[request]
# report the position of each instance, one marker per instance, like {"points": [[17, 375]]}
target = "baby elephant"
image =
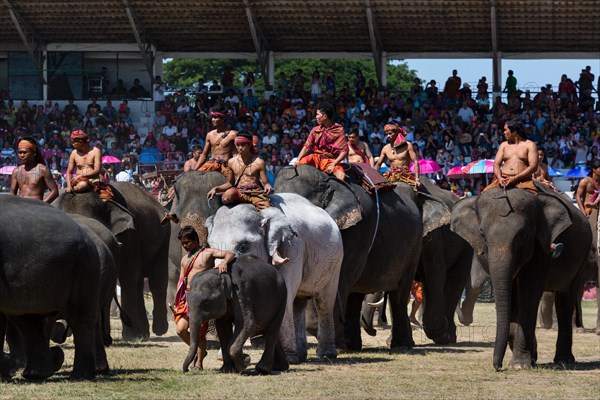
{"points": [[253, 298]]}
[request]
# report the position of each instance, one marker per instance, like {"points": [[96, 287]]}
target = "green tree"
{"points": [[185, 72]]}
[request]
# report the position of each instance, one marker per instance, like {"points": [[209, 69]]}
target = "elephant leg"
{"points": [[84, 336], [456, 279], [132, 302], [312, 322], [267, 361], [401, 330], [158, 276], [300, 328], [101, 359], [326, 339], [7, 365], [565, 305], [352, 329], [244, 327], [279, 359], [39, 357], [287, 332], [224, 328], [472, 290], [546, 310], [16, 345]]}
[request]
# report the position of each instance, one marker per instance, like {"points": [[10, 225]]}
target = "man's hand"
{"points": [[211, 193], [330, 168], [222, 267], [418, 182], [268, 188]]}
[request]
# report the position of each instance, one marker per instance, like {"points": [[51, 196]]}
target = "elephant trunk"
{"points": [[501, 274], [194, 334]]}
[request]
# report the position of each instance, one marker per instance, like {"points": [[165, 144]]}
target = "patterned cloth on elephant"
{"points": [[370, 179], [401, 175], [330, 144], [252, 194], [103, 189], [215, 164], [528, 185]]}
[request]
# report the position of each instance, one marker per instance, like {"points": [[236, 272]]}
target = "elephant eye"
{"points": [[242, 247]]}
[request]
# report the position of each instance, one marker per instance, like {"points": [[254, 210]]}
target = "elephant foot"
{"points": [[400, 346], [8, 367], [354, 344], [37, 374], [242, 363], [82, 375], [107, 340], [292, 358], [103, 369], [329, 352], [564, 360], [581, 329], [263, 368], [280, 365], [130, 336], [159, 328], [522, 363], [58, 357], [227, 368]]}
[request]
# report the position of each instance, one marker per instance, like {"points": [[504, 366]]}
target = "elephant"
{"points": [[310, 239], [61, 277], [382, 245], [252, 296], [134, 218], [511, 232]]}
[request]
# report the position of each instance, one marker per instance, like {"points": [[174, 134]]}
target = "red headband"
{"points": [[216, 114], [241, 139], [26, 144], [79, 134]]}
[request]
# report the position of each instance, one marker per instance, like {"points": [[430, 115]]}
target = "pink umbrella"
{"points": [[7, 169], [456, 173], [426, 166], [479, 167], [110, 160]]}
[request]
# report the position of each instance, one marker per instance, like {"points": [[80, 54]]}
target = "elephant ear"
{"points": [[554, 218], [465, 223], [120, 219], [209, 223], [434, 212], [343, 205], [276, 228]]}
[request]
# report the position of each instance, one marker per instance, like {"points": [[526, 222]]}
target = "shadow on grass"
{"points": [[578, 366], [124, 344], [458, 345]]}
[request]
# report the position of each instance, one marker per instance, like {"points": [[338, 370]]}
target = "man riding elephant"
{"points": [[400, 152]]}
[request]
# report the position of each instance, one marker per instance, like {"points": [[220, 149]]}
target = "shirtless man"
{"points": [[358, 152], [246, 178], [516, 159], [192, 163], [85, 161], [219, 143], [541, 174], [401, 153], [587, 192], [32, 177], [196, 260]]}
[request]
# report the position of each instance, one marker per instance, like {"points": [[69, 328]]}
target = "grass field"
{"points": [[152, 370]]}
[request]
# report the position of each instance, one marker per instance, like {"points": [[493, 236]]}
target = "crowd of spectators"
{"points": [[452, 125]]}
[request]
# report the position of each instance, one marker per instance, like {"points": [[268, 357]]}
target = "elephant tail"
{"points": [[124, 317], [194, 335]]}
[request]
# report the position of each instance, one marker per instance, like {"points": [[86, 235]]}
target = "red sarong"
{"points": [[215, 164]]}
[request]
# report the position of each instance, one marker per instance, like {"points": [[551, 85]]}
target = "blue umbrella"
{"points": [[554, 172], [577, 173]]}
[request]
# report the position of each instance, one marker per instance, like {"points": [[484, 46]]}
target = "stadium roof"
{"points": [[296, 26]]}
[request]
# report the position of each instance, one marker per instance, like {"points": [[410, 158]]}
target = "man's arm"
{"points": [[369, 154], [381, 158], [50, 184], [227, 257], [580, 193], [262, 170], [415, 161], [14, 185], [70, 170], [205, 151], [97, 154], [498, 163]]}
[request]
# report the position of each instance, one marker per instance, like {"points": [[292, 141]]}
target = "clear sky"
{"points": [[529, 73]]}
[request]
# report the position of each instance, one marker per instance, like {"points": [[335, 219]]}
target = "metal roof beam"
{"points": [[140, 37], [496, 62], [30, 38], [376, 46], [260, 44]]}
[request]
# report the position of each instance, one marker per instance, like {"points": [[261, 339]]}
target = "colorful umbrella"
{"points": [[110, 160], [577, 173], [456, 173], [7, 169], [426, 166], [479, 167]]}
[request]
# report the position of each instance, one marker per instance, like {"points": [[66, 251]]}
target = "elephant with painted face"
{"points": [[134, 218], [382, 244], [62, 277], [306, 235], [511, 232], [252, 297]]}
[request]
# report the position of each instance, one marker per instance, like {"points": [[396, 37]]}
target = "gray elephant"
{"points": [[252, 297], [382, 244], [134, 218], [62, 276], [511, 232], [306, 235]]}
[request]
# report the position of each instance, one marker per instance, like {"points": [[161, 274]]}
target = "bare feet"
{"points": [[415, 321]]}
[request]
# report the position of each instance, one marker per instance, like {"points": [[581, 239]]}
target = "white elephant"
{"points": [[309, 237]]}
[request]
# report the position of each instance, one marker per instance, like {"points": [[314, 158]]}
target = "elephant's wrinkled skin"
{"points": [[382, 245], [305, 234], [144, 252], [252, 298], [49, 266], [511, 232]]}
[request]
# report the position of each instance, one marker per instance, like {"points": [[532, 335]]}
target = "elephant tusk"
{"points": [[378, 304]]}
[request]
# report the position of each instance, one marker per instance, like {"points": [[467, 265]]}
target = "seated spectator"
{"points": [[170, 130], [137, 90]]}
